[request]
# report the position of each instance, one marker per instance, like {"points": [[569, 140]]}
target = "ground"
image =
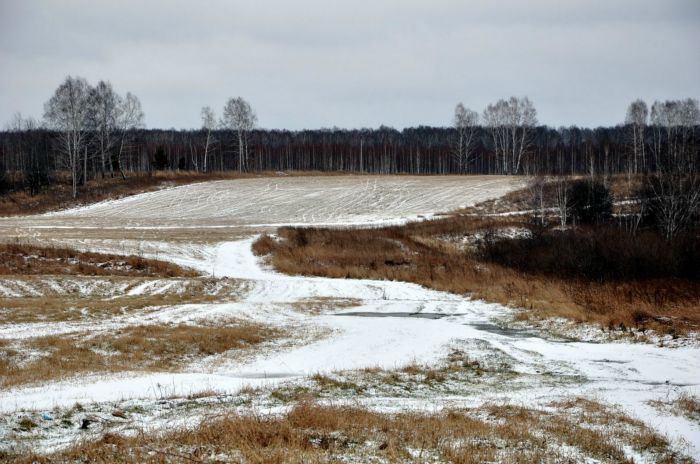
{"points": [[387, 347]]}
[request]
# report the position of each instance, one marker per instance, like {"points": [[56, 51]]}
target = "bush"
{"points": [[4, 182], [264, 245], [599, 253], [591, 202], [36, 178], [160, 160]]}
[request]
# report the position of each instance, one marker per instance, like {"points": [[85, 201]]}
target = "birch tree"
{"points": [[674, 189], [240, 117], [130, 117], [208, 124], [511, 123], [561, 199], [465, 122], [536, 192], [104, 113], [636, 119], [67, 112]]}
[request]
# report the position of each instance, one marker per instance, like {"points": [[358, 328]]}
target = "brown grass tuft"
{"points": [[136, 348], [71, 307], [311, 433], [24, 259], [264, 245]]}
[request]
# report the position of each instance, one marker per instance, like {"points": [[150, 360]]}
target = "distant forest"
{"points": [[92, 132], [420, 150]]}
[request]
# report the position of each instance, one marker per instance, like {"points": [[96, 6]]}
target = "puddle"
{"points": [[505, 331], [612, 361], [397, 314], [266, 375], [517, 333]]}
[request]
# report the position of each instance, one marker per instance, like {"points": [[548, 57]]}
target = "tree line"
{"points": [[90, 132], [662, 155]]}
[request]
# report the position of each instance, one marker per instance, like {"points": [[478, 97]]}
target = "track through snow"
{"points": [[626, 374], [419, 325]]}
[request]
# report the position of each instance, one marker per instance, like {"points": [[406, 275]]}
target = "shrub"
{"points": [[591, 202], [160, 159], [4, 182], [36, 178], [264, 245], [598, 253]]}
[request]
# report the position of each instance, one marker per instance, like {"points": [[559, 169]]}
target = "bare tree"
{"points": [[104, 113], [465, 121], [561, 199], [208, 124], [636, 119], [29, 159], [674, 189], [68, 113], [130, 117], [494, 119], [511, 124], [240, 117], [537, 190]]}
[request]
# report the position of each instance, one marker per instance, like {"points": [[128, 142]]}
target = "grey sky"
{"points": [[323, 63]]}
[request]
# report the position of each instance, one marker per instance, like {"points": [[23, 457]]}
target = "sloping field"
{"points": [[281, 201]]}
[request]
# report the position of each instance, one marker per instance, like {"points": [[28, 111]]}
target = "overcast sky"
{"points": [[323, 63]]}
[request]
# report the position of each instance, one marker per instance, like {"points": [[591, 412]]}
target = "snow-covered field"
{"points": [[359, 324], [316, 200]]}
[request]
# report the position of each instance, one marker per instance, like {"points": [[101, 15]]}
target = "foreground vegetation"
{"points": [[573, 431], [71, 296], [155, 348]]}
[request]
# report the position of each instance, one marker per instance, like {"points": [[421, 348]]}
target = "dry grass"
{"points": [[620, 427], [430, 254], [10, 233], [264, 245], [25, 259], [136, 348], [689, 405], [74, 308], [453, 377], [311, 433], [320, 305], [67, 303], [684, 404]]}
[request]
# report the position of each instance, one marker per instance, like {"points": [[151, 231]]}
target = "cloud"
{"points": [[314, 63]]}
